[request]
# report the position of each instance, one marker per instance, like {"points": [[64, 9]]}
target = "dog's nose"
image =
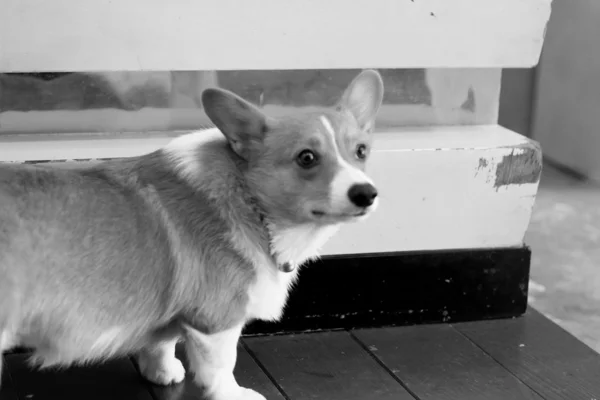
{"points": [[362, 195]]}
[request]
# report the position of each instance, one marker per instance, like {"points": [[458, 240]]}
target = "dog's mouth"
{"points": [[323, 214]]}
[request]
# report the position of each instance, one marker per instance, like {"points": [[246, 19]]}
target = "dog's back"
{"points": [[72, 246], [91, 258]]}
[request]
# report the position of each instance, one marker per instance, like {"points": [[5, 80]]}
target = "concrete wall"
{"points": [[516, 99], [567, 108]]}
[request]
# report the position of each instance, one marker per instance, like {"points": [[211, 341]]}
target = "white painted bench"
{"points": [[440, 187], [457, 181]]}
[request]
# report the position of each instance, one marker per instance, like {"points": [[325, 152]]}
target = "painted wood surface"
{"points": [[116, 379], [441, 187], [540, 354], [438, 363], [247, 372], [331, 363], [484, 360], [134, 35], [453, 188], [395, 289], [7, 388]]}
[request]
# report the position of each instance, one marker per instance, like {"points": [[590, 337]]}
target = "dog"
{"points": [[189, 242]]}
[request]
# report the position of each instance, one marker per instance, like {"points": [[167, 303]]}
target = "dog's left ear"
{"points": [[363, 98], [242, 123]]}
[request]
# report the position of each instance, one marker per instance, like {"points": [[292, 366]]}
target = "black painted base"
{"points": [[373, 290], [393, 289]]}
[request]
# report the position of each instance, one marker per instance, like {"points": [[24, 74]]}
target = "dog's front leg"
{"points": [[212, 359], [158, 364]]}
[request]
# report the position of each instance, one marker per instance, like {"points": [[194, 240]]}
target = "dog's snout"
{"points": [[362, 195]]}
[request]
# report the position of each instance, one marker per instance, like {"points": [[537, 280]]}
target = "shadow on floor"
{"points": [[564, 235]]}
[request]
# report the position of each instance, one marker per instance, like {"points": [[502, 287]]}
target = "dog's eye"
{"points": [[361, 151], [306, 158]]}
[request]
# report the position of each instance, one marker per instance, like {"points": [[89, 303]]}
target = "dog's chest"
{"points": [[268, 294], [301, 243]]}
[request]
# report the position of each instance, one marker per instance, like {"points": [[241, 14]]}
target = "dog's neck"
{"points": [[291, 244], [282, 265]]}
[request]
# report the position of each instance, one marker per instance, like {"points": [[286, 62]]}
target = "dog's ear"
{"points": [[242, 123], [363, 98]]}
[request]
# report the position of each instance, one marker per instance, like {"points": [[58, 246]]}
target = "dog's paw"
{"points": [[249, 394], [167, 372], [240, 394]]}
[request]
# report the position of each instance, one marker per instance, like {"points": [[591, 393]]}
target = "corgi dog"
{"points": [[189, 242]]}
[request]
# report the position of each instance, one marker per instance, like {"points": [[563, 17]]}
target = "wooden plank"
{"points": [[435, 362], [7, 390], [328, 366], [541, 354], [250, 375], [247, 373], [442, 188], [114, 380], [396, 289], [96, 35]]}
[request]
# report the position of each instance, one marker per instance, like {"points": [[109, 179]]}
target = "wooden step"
{"points": [[526, 358]]}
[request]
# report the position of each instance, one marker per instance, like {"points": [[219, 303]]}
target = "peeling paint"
{"points": [[523, 165]]}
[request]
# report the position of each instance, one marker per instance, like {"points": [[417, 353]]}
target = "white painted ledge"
{"points": [[441, 188], [448, 188], [137, 35]]}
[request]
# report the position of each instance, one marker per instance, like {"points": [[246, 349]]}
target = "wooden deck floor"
{"points": [[523, 358]]}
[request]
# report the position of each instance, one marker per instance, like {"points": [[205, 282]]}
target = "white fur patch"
{"points": [[296, 245], [329, 128], [183, 151], [346, 177], [216, 345], [300, 243], [268, 294], [5, 341], [107, 343], [159, 365], [212, 359]]}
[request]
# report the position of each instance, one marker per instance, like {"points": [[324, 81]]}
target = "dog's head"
{"points": [[308, 167]]}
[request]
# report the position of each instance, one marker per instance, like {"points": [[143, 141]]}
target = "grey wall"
{"points": [[516, 100], [567, 107]]}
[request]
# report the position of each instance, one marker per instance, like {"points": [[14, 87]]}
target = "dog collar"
{"points": [[287, 266], [283, 267]]}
